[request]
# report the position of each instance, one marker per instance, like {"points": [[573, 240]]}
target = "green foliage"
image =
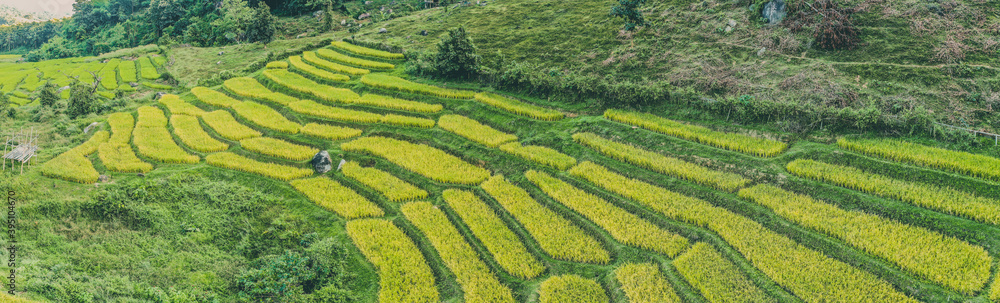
{"points": [[629, 10], [82, 100], [48, 96], [457, 57], [643, 283], [571, 288]]}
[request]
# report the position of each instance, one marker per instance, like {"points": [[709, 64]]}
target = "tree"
{"points": [[82, 100], [457, 56], [629, 9], [49, 95], [262, 27]]}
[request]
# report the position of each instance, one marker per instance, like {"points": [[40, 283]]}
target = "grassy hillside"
{"points": [[937, 58]]}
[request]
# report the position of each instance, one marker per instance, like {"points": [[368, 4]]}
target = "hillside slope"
{"points": [[915, 56]]}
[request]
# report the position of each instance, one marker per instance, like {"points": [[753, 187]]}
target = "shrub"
{"points": [[643, 283], [540, 154], [364, 51], [518, 107], [457, 57], [212, 97], [236, 162], [309, 107], [978, 166], [73, 164], [926, 195], [473, 130], [266, 117], [301, 84], [345, 59], [333, 196], [392, 187], [620, 224], [499, 240], [312, 58], [154, 141], [127, 71], [571, 288], [404, 275], [397, 83], [147, 70], [662, 164], [329, 131], [396, 103], [82, 101], [49, 95], [477, 281], [629, 10], [279, 148], [297, 64], [556, 235], [227, 127], [806, 273], [422, 159], [180, 107], [407, 121], [189, 130], [735, 142], [250, 88], [715, 277], [121, 158], [945, 260]]}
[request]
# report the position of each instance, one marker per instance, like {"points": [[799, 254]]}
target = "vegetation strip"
{"points": [[73, 164], [121, 158], [153, 140], [227, 126], [807, 273], [926, 195], [393, 119], [189, 130], [329, 131], [620, 224], [396, 83], [180, 107], [312, 108], [147, 70], [364, 51], [731, 141], [540, 154], [212, 97], [298, 65], [479, 285], [715, 277], [662, 164], [557, 236], [250, 88], [404, 275], [946, 260], [121, 128], [643, 283], [241, 163], [499, 240], [279, 148], [399, 104], [392, 187], [266, 116], [475, 131], [345, 59], [302, 84], [334, 67], [978, 166], [518, 107], [571, 288], [337, 198], [427, 161]]}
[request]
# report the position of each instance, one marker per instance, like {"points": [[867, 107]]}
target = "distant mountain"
{"points": [[10, 15]]}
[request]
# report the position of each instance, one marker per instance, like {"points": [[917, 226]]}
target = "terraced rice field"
{"points": [[462, 195]]}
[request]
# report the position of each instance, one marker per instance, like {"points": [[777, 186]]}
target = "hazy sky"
{"points": [[59, 8]]}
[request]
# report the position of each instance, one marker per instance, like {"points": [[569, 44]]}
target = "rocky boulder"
{"points": [[91, 127], [774, 11], [321, 162]]}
